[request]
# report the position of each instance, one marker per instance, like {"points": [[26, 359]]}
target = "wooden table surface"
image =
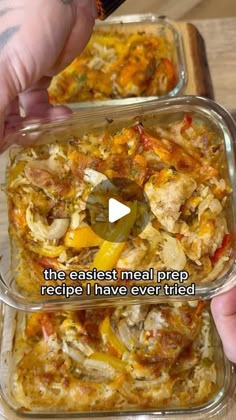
{"points": [[220, 39]]}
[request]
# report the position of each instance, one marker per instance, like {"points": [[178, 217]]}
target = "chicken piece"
{"points": [[49, 182], [207, 239], [155, 320], [170, 152], [173, 254], [131, 260], [151, 234], [135, 314], [167, 192]]}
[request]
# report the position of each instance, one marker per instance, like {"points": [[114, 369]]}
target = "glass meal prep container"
{"points": [[139, 360], [191, 232], [129, 59]]}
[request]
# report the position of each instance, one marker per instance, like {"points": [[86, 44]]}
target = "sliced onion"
{"points": [[151, 234], [75, 220], [84, 348], [102, 368], [96, 63], [217, 270], [75, 355], [126, 335], [41, 230], [215, 206], [204, 205], [173, 253], [93, 177]]}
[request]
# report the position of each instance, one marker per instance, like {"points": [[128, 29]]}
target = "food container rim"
{"points": [[105, 115], [137, 18]]}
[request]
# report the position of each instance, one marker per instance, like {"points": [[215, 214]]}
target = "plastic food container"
{"points": [[72, 80], [13, 326], [156, 112]]}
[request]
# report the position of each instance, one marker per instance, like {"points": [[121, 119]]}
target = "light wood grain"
{"points": [[175, 9], [198, 79], [212, 9], [220, 40], [181, 9]]}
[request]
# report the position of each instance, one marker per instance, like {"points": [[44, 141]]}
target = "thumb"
{"points": [[9, 93], [34, 104], [224, 313]]}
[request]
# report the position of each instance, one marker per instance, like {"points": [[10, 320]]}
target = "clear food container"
{"points": [[169, 72], [21, 289], [212, 374]]}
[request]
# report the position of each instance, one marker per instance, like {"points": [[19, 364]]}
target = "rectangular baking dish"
{"points": [[152, 25], [113, 118], [13, 323]]}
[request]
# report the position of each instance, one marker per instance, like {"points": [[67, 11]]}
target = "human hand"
{"points": [[38, 38], [224, 312]]}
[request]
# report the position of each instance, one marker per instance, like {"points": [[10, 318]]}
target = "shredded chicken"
{"points": [[166, 197], [137, 355]]}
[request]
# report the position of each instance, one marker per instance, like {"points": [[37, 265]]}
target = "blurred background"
{"points": [[182, 9]]}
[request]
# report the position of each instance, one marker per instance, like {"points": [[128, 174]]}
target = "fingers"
{"points": [[85, 13], [34, 104], [225, 304], [224, 312], [8, 124]]}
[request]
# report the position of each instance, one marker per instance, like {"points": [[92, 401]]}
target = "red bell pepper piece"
{"points": [[221, 250], [187, 123]]}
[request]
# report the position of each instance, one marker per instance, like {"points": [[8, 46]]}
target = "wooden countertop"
{"points": [[220, 39]]}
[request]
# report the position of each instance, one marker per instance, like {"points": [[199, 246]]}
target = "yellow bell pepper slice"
{"points": [[109, 337], [111, 360], [108, 255], [16, 170], [110, 251], [82, 237]]}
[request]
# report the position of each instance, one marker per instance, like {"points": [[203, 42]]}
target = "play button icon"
{"points": [[117, 210]]}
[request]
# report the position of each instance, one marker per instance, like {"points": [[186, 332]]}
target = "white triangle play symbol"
{"points": [[116, 210]]}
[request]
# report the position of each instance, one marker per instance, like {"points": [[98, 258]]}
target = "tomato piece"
{"points": [[47, 262], [47, 325], [147, 141], [179, 236], [170, 73], [221, 250], [200, 307], [187, 123]]}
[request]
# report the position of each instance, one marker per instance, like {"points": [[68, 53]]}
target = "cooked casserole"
{"points": [[178, 164], [128, 358], [117, 65]]}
